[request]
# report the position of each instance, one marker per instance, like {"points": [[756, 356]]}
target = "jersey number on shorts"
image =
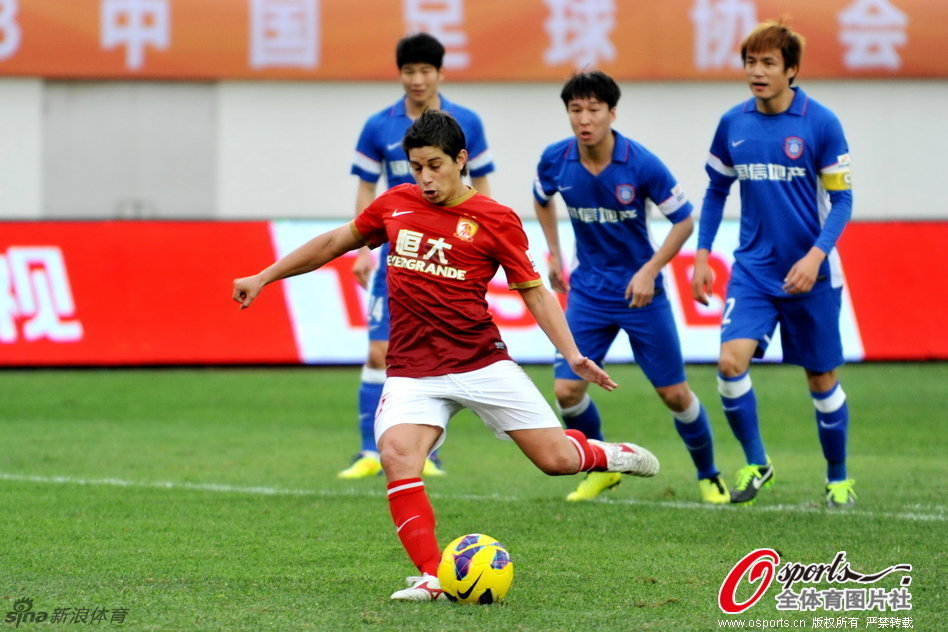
{"points": [[728, 308]]}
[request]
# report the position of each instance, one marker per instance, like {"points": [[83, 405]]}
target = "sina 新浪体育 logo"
{"points": [[23, 613]]}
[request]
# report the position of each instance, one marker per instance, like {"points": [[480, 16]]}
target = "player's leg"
{"points": [[593, 334], [366, 463], [810, 334], [747, 325], [511, 405], [654, 340], [411, 422]]}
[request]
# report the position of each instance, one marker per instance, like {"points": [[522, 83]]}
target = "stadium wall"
{"points": [[269, 149], [115, 293]]}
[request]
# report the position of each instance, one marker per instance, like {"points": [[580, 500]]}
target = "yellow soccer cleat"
{"points": [[433, 467], [594, 484], [750, 480], [364, 465], [840, 495], [713, 490]]}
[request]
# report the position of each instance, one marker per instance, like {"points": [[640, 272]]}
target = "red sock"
{"points": [[415, 523], [592, 458]]}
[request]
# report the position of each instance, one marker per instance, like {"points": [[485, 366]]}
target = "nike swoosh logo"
{"points": [[464, 594], [394, 146], [397, 213], [565, 188], [757, 482], [735, 143], [402, 526]]}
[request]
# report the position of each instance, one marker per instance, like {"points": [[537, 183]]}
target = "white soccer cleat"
{"points": [[628, 458], [423, 588]]}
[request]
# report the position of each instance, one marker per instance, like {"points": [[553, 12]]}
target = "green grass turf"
{"points": [[253, 531]]}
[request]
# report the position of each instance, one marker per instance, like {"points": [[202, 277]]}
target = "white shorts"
{"points": [[500, 394]]}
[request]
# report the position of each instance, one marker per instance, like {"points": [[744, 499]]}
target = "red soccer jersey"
{"points": [[441, 260]]}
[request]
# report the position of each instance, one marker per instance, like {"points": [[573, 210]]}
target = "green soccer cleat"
{"points": [[713, 490], [364, 465], [840, 494], [750, 480], [594, 484]]}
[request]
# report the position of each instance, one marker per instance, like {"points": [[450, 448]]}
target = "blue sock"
{"points": [[694, 428], [832, 424], [740, 408], [584, 417], [370, 392]]}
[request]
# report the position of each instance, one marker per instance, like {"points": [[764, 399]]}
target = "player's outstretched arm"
{"points": [[549, 316], [314, 254]]}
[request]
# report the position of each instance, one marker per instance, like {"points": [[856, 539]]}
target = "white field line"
{"points": [[923, 513]]}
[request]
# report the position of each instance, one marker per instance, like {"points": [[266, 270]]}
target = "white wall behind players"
{"points": [[236, 150]]}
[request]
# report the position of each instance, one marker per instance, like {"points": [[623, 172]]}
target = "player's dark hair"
{"points": [[420, 48], [775, 35], [591, 85], [435, 128]]}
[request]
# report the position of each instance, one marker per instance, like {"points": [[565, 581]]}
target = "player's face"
{"points": [[591, 120], [766, 75], [437, 174], [421, 82]]}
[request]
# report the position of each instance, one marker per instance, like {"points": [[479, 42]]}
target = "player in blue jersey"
{"points": [[792, 161], [605, 179], [379, 150]]}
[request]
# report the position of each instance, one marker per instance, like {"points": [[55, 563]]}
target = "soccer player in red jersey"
{"points": [[445, 352]]}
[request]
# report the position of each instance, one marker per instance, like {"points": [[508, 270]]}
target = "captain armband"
{"points": [[837, 177]]}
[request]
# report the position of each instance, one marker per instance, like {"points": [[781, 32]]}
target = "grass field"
{"points": [[206, 499]]}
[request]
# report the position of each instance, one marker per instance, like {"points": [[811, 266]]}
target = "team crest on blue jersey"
{"points": [[466, 229], [793, 147], [625, 193]]}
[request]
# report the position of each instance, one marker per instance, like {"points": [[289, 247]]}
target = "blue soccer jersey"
{"points": [[608, 211], [794, 175], [380, 144]]}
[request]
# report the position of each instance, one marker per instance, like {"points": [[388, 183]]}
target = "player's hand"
{"points": [[557, 277], [702, 280], [592, 372], [641, 289], [363, 266], [803, 274], [246, 290]]}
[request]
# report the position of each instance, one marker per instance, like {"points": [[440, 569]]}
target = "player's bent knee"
{"points": [[731, 366], [377, 353], [676, 397], [569, 393]]}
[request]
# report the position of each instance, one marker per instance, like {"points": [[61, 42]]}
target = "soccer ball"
{"points": [[475, 568]]}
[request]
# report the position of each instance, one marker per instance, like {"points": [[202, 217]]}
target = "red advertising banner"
{"points": [[122, 293], [485, 39], [153, 293]]}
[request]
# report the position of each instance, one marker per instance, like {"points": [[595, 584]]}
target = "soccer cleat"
{"points": [[594, 484], [750, 480], [433, 467], [423, 588], [364, 465], [628, 458], [713, 490], [840, 494]]}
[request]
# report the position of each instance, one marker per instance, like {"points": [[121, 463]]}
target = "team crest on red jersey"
{"points": [[793, 147], [625, 193], [466, 229]]}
